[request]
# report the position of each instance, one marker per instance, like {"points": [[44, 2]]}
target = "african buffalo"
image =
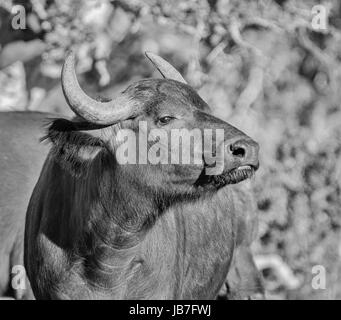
{"points": [[100, 229], [120, 247]]}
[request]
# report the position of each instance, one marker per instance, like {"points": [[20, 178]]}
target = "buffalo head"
{"points": [[153, 113]]}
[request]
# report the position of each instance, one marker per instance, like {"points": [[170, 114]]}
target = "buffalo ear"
{"points": [[72, 148]]}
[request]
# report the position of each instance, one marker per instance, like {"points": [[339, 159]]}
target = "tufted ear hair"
{"points": [[74, 144]]}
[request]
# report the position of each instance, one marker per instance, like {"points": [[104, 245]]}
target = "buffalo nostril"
{"points": [[237, 150]]}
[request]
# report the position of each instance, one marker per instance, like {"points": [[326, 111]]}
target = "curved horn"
{"points": [[102, 113], [165, 68]]}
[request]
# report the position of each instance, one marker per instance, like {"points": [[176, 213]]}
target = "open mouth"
{"points": [[239, 174], [233, 176]]}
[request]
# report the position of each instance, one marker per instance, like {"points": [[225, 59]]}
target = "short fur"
{"points": [[96, 229]]}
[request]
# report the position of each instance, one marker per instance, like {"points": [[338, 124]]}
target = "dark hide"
{"points": [[96, 229]]}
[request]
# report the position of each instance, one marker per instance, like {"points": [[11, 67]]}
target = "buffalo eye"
{"points": [[165, 120]]}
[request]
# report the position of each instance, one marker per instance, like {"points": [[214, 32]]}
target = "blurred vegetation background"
{"points": [[259, 64]]}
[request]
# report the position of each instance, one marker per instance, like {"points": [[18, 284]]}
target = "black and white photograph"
{"points": [[170, 150]]}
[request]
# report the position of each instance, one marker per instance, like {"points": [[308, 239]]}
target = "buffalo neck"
{"points": [[128, 210], [100, 206]]}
